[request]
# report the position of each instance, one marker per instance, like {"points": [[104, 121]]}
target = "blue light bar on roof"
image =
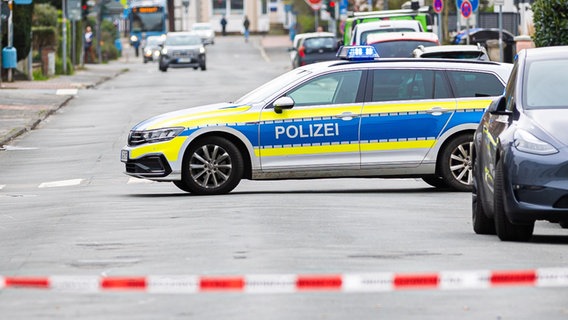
{"points": [[357, 53]]}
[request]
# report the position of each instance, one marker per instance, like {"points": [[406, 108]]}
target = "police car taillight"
{"points": [[357, 53]]}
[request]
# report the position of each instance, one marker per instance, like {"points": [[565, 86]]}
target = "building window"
{"points": [[236, 6], [219, 6]]}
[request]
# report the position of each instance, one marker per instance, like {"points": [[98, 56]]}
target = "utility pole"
{"points": [[64, 27]]}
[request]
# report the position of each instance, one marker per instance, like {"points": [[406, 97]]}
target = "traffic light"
{"points": [[85, 10], [330, 7]]}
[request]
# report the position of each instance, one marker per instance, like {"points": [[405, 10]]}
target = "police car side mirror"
{"points": [[283, 103]]}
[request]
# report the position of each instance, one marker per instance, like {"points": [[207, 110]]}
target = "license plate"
{"points": [[124, 155], [184, 60]]}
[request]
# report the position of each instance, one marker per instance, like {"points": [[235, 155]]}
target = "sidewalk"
{"points": [[24, 104]]}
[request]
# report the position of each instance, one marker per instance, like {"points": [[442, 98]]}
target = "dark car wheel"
{"points": [[506, 230], [482, 224], [455, 163], [211, 166], [202, 64], [436, 182]]}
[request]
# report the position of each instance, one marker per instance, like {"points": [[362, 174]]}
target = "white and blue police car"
{"points": [[358, 117]]}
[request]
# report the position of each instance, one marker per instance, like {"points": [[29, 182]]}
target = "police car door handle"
{"points": [[437, 111], [346, 116]]}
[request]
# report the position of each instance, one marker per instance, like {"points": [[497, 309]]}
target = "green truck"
{"points": [[423, 14]]}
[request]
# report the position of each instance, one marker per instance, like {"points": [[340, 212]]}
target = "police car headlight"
{"points": [[165, 51], [153, 136], [201, 49]]}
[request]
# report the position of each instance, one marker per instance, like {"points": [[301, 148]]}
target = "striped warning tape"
{"points": [[289, 283]]}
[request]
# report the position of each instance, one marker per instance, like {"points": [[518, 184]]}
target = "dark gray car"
{"points": [[182, 50], [520, 161]]}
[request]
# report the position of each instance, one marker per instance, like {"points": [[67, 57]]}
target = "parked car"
{"points": [[152, 47], [182, 50], [411, 118], [482, 35], [205, 31], [520, 159], [468, 52], [363, 30], [401, 44], [313, 47]]}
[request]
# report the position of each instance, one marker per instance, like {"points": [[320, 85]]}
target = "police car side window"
{"points": [[339, 87], [402, 84], [470, 84]]}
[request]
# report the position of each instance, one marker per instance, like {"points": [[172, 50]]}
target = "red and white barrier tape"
{"points": [[288, 283]]}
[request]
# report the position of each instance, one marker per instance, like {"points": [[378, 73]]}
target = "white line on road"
{"points": [[62, 183], [136, 180], [66, 92]]}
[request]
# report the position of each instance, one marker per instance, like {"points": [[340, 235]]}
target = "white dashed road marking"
{"points": [[136, 180], [62, 183], [66, 92]]}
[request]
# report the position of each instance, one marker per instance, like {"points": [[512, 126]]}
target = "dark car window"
{"points": [[545, 84], [398, 84], [400, 49], [475, 84], [319, 43], [183, 40], [339, 87], [455, 55]]}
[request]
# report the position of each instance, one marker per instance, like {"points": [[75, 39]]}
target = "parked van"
{"points": [[363, 30], [423, 15]]}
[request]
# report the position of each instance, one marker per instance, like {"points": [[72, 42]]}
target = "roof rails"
{"points": [[383, 13]]}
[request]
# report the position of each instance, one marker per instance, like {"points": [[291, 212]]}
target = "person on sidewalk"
{"points": [[246, 25], [224, 25], [89, 53]]}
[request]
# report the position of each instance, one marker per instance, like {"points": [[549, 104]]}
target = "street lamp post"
{"points": [[185, 4]]}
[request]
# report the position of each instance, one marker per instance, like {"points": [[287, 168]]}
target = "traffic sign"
{"points": [[466, 9], [438, 6], [474, 4], [314, 4]]}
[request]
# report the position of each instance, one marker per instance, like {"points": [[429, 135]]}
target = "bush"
{"points": [[550, 19], [44, 15]]}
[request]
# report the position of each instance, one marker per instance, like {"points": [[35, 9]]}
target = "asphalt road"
{"points": [[67, 209]]}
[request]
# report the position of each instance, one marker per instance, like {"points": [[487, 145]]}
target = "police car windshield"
{"points": [[265, 91]]}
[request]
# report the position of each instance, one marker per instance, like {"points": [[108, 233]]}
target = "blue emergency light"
{"points": [[357, 53]]}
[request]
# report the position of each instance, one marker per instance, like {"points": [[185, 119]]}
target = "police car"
{"points": [[359, 117]]}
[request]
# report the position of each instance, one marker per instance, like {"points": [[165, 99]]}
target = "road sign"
{"points": [[466, 9], [74, 10], [438, 6], [474, 4], [315, 4]]}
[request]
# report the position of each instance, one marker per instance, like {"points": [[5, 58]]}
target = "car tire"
{"points": [[211, 166], [482, 224], [564, 224], [436, 182], [507, 231], [145, 60], [455, 163], [202, 64]]}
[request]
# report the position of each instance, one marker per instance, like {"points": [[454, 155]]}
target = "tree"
{"points": [[22, 22], [550, 19]]}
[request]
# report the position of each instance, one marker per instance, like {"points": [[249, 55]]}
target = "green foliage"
{"points": [[550, 19], [43, 36], [44, 15], [38, 75], [22, 23]]}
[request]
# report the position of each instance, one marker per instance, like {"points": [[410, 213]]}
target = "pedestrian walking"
{"points": [[224, 25], [88, 46], [246, 25]]}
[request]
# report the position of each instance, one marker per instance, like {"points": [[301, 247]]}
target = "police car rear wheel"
{"points": [[211, 166], [456, 160]]}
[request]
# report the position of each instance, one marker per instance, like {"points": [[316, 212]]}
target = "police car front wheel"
{"points": [[212, 165]]}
